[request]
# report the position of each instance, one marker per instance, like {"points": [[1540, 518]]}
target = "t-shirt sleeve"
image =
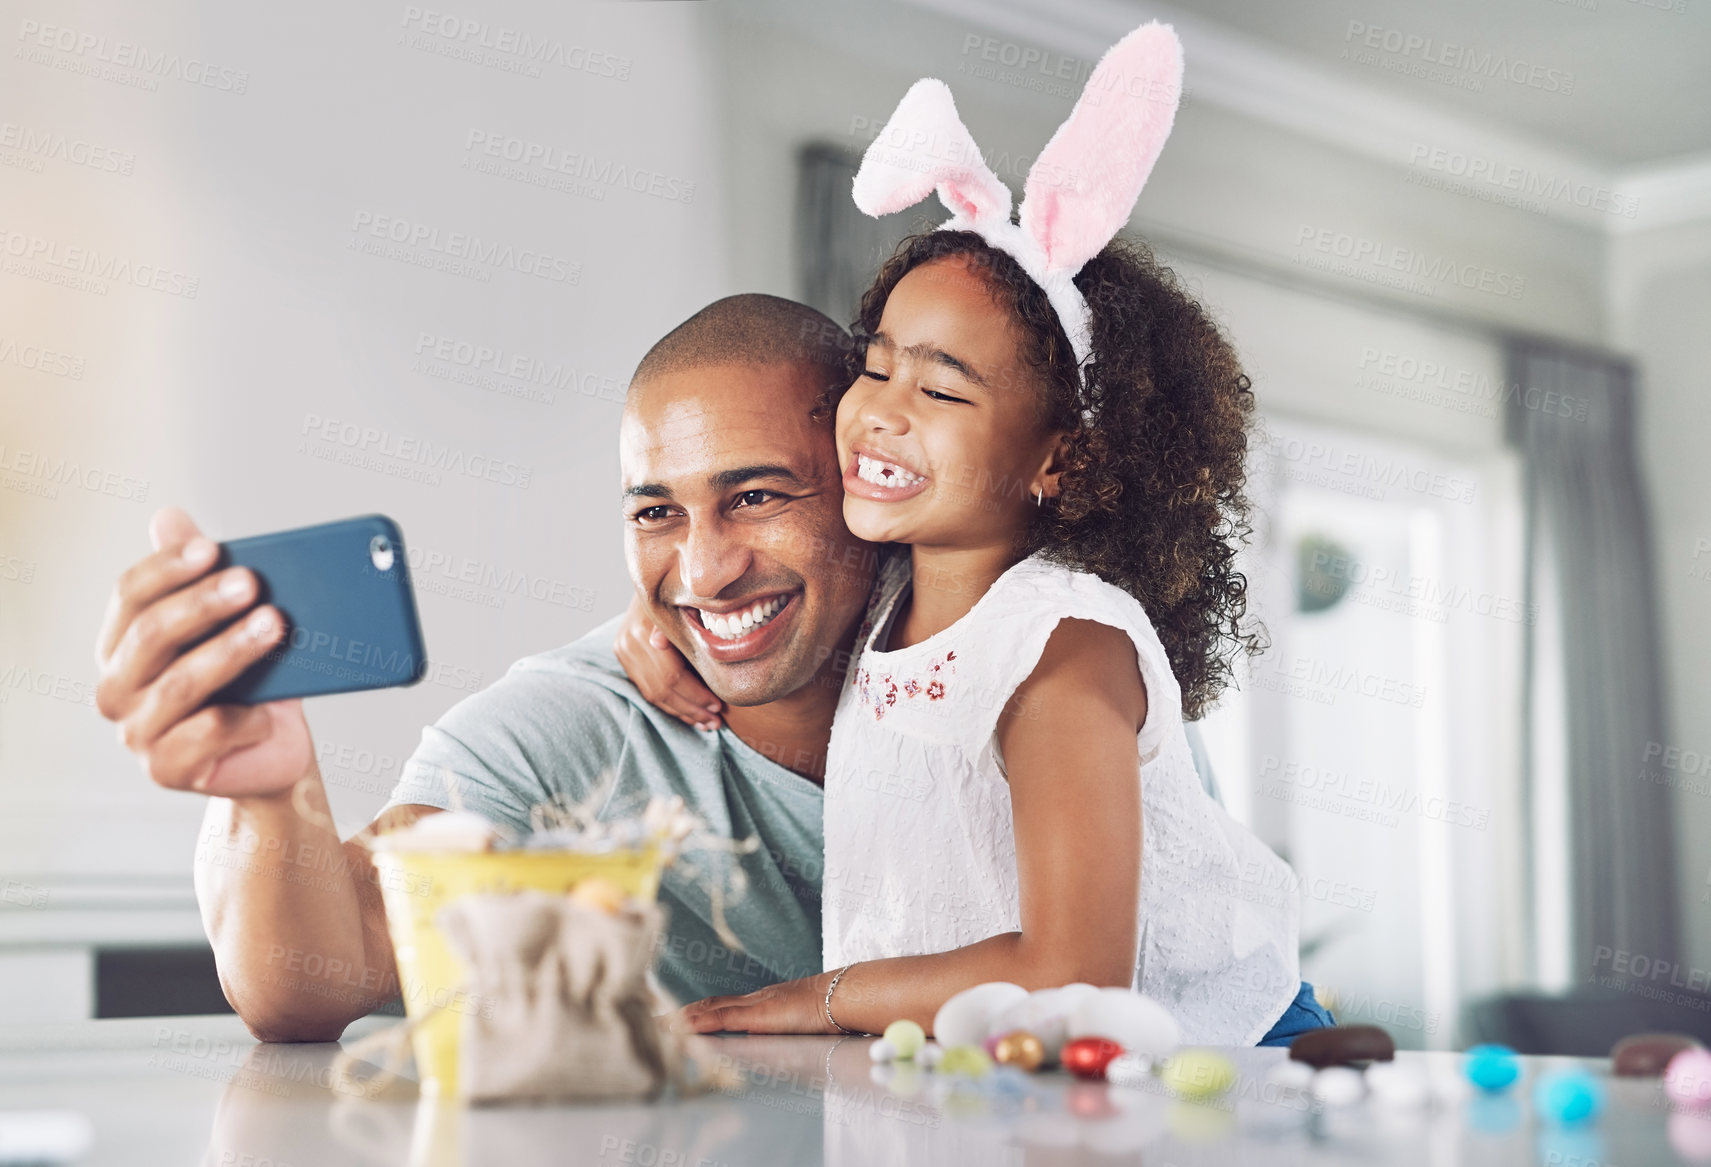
{"points": [[538, 733]]}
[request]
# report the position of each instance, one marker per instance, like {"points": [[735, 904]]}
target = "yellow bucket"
{"points": [[415, 885]]}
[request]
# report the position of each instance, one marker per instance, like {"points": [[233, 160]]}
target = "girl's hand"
{"points": [[659, 671], [788, 1007]]}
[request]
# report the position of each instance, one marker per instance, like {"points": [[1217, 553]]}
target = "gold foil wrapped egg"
{"points": [[1019, 1048], [599, 893]]}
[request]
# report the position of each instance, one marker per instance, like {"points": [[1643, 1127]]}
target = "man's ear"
{"points": [[1052, 469]]}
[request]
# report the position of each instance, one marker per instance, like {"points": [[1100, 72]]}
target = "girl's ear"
{"points": [[1083, 186], [1056, 463]]}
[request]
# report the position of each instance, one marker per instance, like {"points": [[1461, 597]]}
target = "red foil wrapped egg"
{"points": [[1087, 1057]]}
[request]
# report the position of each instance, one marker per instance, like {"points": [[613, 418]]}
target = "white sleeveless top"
{"points": [[920, 847]]}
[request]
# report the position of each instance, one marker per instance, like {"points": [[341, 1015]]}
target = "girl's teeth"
{"points": [[884, 473], [735, 624]]}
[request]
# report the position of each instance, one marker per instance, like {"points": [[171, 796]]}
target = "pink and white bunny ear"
{"points": [[924, 147], [1084, 184]]}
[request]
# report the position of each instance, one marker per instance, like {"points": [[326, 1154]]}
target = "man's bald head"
{"points": [[752, 329]]}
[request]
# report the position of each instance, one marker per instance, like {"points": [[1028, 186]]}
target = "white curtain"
{"points": [[1571, 415]]}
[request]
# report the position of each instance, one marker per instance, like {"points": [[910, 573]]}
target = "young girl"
{"points": [[1008, 783], [1009, 791]]}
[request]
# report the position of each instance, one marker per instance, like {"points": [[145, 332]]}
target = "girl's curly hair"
{"points": [[1153, 499]]}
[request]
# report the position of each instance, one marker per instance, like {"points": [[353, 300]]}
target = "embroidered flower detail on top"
{"points": [[880, 695]]}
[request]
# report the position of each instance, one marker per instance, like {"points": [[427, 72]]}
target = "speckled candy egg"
{"points": [[965, 1059], [1198, 1074], [906, 1037], [1568, 1096], [1687, 1079], [1493, 1068]]}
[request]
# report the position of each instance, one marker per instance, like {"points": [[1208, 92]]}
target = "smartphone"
{"points": [[350, 613]]}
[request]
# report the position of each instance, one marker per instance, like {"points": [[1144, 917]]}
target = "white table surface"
{"points": [[199, 1090]]}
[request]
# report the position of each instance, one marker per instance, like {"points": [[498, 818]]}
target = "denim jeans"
{"points": [[1304, 1013]]}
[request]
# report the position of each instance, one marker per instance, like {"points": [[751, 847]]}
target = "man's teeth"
{"points": [[884, 473], [734, 624]]}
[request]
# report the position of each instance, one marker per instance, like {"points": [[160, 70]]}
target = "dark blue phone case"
{"points": [[351, 623]]}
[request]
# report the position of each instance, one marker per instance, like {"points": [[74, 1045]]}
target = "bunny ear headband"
{"points": [[1078, 193]]}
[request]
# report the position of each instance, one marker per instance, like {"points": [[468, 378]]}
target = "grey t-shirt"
{"points": [[557, 720]]}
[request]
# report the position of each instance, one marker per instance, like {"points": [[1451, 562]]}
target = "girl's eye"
{"points": [[875, 374], [937, 396]]}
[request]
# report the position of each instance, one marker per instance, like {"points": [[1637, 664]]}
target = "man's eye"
{"points": [[651, 514], [754, 498], [937, 396]]}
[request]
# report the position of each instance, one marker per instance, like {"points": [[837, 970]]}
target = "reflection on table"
{"points": [[189, 1089]]}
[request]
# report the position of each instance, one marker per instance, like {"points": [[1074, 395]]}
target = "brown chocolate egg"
{"points": [[1644, 1055], [1343, 1045], [1087, 1057], [1019, 1048]]}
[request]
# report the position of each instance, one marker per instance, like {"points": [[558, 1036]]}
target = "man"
{"points": [[736, 542]]}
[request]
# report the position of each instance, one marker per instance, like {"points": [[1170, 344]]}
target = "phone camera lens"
{"points": [[380, 552]]}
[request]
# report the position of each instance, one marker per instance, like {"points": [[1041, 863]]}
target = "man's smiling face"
{"points": [[734, 528]]}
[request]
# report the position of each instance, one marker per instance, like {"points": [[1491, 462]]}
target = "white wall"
{"points": [[346, 112]]}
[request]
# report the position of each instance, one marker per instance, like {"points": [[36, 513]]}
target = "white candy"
{"points": [[882, 1051], [963, 1019], [1395, 1085], [1338, 1086], [1075, 993], [1139, 1024], [1292, 1075], [929, 1055], [1129, 1070]]}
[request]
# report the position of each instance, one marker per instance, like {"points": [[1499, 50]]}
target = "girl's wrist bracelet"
{"points": [[833, 1021]]}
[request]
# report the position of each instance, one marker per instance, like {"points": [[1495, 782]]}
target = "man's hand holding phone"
{"points": [[161, 604], [165, 651]]}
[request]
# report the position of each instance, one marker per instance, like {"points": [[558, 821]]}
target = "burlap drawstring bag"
{"points": [[559, 1007], [564, 1009]]}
